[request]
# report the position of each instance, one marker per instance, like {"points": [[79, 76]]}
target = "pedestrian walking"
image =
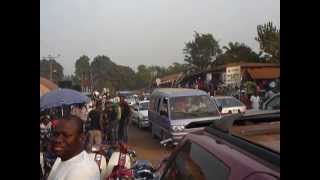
{"points": [[95, 129], [112, 116], [255, 101], [124, 121]]}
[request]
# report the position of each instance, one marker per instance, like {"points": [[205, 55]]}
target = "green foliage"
{"points": [[269, 40], [82, 67], [57, 69], [108, 74], [237, 52], [250, 87], [200, 51]]}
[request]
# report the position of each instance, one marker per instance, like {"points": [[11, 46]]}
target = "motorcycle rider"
{"points": [[73, 162]]}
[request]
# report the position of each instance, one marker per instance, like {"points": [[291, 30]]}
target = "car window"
{"points": [[274, 103], [228, 102], [157, 106], [186, 107], [193, 162], [164, 107], [143, 106]]}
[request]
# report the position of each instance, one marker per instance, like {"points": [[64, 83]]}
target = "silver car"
{"points": [[229, 105]]}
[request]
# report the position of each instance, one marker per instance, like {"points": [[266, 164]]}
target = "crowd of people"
{"points": [[104, 121]]}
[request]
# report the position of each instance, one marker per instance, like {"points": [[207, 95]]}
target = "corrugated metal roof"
{"points": [[264, 73]]}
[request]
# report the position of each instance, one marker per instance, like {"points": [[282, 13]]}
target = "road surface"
{"points": [[145, 146]]}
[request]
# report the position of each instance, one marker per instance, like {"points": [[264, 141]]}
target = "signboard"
{"points": [[233, 75]]}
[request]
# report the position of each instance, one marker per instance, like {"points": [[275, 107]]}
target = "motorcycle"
{"points": [[121, 163]]}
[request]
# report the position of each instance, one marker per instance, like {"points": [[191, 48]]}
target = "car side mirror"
{"points": [[220, 108]]}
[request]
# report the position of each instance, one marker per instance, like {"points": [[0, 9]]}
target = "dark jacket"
{"points": [[94, 120]]}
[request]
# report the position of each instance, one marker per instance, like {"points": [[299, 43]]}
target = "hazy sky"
{"points": [[133, 32]]}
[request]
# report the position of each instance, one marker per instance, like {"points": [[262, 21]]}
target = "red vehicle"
{"points": [[225, 151]]}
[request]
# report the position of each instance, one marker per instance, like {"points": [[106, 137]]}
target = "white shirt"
{"points": [[80, 167], [255, 100]]}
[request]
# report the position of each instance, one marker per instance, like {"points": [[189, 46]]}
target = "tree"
{"points": [[200, 51], [237, 52], [269, 40], [177, 68], [56, 70], [108, 74], [82, 67]]}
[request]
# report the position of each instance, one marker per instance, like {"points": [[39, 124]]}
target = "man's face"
{"points": [[67, 140]]}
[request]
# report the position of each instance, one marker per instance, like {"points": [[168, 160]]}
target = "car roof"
{"points": [[240, 163], [176, 92]]}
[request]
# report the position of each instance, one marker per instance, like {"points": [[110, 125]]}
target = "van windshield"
{"points": [[188, 107]]}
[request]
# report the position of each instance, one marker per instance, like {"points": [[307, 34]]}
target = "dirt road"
{"points": [[145, 146]]}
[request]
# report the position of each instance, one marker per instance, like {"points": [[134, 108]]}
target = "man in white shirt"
{"points": [[73, 163], [255, 101]]}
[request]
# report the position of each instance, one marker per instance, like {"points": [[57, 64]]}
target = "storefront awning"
{"points": [[264, 73]]}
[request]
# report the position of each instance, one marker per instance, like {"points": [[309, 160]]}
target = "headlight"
{"points": [[177, 128]]}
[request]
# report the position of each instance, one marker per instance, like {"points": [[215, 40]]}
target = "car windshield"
{"points": [[228, 102], [192, 107], [143, 106]]}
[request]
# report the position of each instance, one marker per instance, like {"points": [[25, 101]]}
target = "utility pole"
{"points": [[50, 58]]}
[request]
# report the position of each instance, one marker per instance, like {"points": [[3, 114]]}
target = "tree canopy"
{"points": [[82, 67], [199, 52], [237, 52], [269, 40]]}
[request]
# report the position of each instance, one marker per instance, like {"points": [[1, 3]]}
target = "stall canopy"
{"points": [[46, 86], [264, 73]]}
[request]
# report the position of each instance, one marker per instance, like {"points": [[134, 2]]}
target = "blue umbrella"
{"points": [[61, 97]]}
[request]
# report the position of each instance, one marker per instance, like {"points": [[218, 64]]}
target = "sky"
{"points": [[150, 32]]}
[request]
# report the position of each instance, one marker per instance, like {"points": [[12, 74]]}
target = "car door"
{"points": [[193, 162], [135, 113]]}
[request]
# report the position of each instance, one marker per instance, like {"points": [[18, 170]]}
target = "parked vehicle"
{"points": [[229, 105], [226, 151], [272, 103], [140, 114], [129, 97], [175, 112]]}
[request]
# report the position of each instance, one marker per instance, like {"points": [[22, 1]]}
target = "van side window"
{"points": [[157, 107], [164, 107]]}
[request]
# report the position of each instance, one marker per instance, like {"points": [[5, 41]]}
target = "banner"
{"points": [[233, 75]]}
